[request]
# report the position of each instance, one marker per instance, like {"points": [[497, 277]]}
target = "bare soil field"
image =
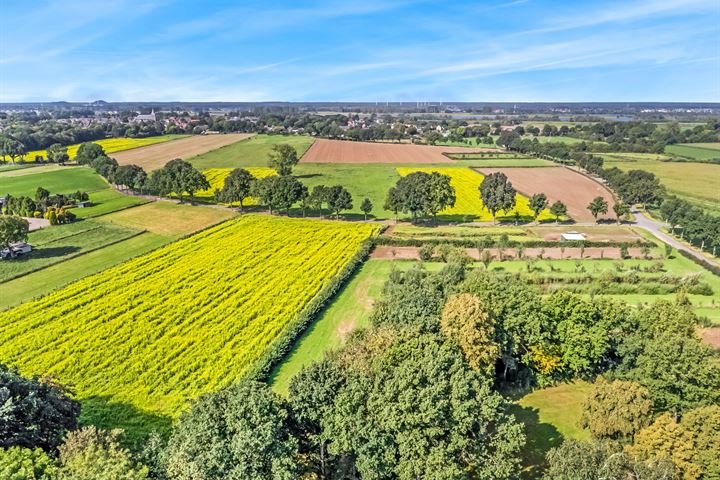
{"points": [[558, 183], [156, 156], [385, 252], [340, 151]]}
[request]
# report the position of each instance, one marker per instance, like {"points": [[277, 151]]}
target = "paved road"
{"points": [[654, 227]]}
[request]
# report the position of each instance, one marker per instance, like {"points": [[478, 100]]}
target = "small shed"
{"points": [[572, 237], [83, 204]]}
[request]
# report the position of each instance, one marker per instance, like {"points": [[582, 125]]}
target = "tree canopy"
{"points": [[497, 193]]}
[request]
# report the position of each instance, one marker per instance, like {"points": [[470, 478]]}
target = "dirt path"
{"points": [[554, 253], [156, 156]]}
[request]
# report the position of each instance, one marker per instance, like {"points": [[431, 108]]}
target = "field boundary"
{"points": [[71, 257], [275, 353]]}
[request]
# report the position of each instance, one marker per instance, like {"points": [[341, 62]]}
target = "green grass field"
{"points": [[252, 152], [550, 415], [695, 182], [107, 201], [58, 243], [350, 310], [56, 180], [696, 151]]}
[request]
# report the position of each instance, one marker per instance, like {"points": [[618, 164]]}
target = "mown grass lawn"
{"points": [[56, 180], [697, 151], [252, 152]]}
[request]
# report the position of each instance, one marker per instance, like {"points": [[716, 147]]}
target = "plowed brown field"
{"points": [[156, 156], [340, 151], [558, 183]]}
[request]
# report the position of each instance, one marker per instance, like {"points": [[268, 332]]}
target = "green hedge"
{"points": [[283, 345]]}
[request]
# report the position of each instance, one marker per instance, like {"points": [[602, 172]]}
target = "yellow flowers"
{"points": [[186, 319], [216, 177], [110, 145], [466, 183]]}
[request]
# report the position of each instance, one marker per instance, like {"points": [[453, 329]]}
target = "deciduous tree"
{"points": [[283, 158], [466, 322], [87, 152], [237, 187], [538, 203], [558, 209], [57, 153], [597, 206], [338, 199], [12, 229], [366, 206], [616, 410], [497, 193]]}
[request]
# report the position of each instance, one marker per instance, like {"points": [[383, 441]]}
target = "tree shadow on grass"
{"points": [[46, 252], [540, 438], [107, 413]]}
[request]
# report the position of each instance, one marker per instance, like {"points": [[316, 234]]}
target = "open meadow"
{"points": [[209, 305], [692, 181], [695, 151], [252, 152]]}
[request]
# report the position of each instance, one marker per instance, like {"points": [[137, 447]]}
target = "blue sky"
{"points": [[363, 50]]}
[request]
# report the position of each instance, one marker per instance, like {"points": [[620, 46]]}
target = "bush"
{"points": [[426, 253]]}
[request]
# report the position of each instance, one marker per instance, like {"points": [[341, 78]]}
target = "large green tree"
{"points": [[338, 199], [57, 153], [12, 229], [242, 432], [597, 206], [10, 147], [34, 412], [179, 177], [497, 193], [283, 158], [87, 152], [538, 203], [558, 209], [237, 187], [616, 410], [468, 323], [423, 413], [17, 463], [441, 194], [132, 177]]}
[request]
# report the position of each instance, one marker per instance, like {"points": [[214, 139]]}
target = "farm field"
{"points": [[216, 177], [252, 152], [340, 151], [60, 180], [41, 282], [168, 218], [485, 161], [468, 205], [694, 182], [558, 183], [111, 145], [61, 242], [156, 156], [163, 325], [696, 151]]}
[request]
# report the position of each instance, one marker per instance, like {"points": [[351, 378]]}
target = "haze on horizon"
{"points": [[330, 50]]}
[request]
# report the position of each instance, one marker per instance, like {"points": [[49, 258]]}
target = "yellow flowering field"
{"points": [[137, 342], [110, 145], [217, 176], [466, 182]]}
